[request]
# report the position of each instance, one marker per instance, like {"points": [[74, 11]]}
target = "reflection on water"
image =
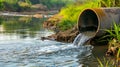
{"points": [[22, 26], [20, 46]]}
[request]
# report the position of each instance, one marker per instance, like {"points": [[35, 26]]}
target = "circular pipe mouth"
{"points": [[88, 21]]}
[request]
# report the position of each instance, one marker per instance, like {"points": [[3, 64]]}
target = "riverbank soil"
{"points": [[62, 36]]}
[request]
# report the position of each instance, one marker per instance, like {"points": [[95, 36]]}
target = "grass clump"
{"points": [[114, 32], [111, 34], [106, 63], [113, 62]]}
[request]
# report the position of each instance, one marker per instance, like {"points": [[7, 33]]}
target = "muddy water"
{"points": [[20, 46]]}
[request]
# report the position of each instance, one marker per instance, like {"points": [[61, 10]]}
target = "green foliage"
{"points": [[14, 5], [110, 62], [26, 4], [1, 6], [111, 35], [55, 3], [65, 24], [28, 1], [35, 1], [106, 63], [114, 32], [71, 13], [110, 3], [118, 54]]}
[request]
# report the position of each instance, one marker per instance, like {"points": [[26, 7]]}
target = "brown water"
{"points": [[20, 46]]}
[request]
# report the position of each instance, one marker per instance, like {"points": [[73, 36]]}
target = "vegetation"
{"points": [[14, 5], [55, 4], [111, 34], [106, 63], [22, 5], [113, 62], [114, 32], [71, 12], [113, 39], [70, 15]]}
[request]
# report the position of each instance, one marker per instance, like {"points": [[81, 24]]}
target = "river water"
{"points": [[21, 46]]}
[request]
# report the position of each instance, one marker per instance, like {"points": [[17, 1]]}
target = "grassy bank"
{"points": [[113, 52], [71, 12]]}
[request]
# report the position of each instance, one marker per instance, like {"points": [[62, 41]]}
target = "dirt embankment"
{"points": [[62, 36]]}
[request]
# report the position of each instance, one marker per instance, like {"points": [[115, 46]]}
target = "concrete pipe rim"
{"points": [[93, 15]]}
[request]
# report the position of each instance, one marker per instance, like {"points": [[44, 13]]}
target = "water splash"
{"points": [[83, 38], [42, 53]]}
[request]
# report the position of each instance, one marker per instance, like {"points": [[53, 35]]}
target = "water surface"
{"points": [[21, 46]]}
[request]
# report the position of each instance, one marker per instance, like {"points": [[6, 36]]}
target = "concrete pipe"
{"points": [[98, 19]]}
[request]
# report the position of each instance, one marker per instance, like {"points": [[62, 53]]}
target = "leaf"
{"points": [[101, 64]]}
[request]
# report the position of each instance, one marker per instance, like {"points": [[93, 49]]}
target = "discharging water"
{"points": [[20, 46], [82, 38]]}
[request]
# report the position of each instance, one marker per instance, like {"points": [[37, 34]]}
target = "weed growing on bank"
{"points": [[71, 12]]}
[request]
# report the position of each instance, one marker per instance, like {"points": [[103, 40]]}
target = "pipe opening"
{"points": [[88, 21]]}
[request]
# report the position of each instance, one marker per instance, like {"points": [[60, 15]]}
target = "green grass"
{"points": [[21, 5], [71, 13], [13, 5], [106, 63], [114, 32], [110, 3], [114, 39], [114, 62]]}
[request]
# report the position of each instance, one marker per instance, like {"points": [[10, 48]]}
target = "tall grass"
{"points": [[22, 5], [55, 4], [114, 41], [71, 13], [106, 63], [110, 62], [12, 5], [110, 3], [114, 32]]}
